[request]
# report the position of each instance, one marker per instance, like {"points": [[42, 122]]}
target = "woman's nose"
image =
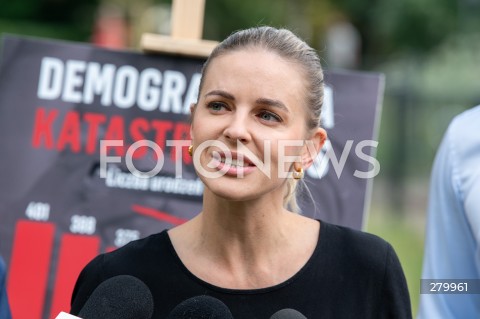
{"points": [[237, 129]]}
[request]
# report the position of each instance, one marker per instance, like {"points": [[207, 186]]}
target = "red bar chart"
{"points": [[75, 252], [47, 257], [30, 264]]}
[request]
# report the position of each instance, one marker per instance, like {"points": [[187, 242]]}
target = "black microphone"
{"points": [[287, 314], [201, 307], [119, 297]]}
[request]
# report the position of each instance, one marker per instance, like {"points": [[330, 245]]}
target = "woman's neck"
{"points": [[247, 231], [244, 244], [255, 218]]}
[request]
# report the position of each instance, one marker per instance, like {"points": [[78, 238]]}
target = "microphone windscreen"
{"points": [[201, 307], [65, 315], [119, 297], [287, 314]]}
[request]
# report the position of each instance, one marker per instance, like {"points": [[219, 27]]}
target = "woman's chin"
{"points": [[241, 189], [232, 192]]}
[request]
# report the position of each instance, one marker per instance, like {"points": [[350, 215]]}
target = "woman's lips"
{"points": [[233, 164]]}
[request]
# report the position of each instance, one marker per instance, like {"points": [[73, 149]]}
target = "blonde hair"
{"points": [[289, 46]]}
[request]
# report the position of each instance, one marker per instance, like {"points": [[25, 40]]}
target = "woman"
{"points": [[255, 129]]}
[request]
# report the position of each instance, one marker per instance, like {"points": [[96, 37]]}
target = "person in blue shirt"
{"points": [[452, 247], [4, 308]]}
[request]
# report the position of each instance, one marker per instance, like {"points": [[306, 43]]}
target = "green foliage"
{"points": [[224, 17], [386, 27], [414, 24], [389, 26], [69, 20], [21, 9]]}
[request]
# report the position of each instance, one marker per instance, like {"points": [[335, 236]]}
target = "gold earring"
{"points": [[298, 173], [190, 150]]}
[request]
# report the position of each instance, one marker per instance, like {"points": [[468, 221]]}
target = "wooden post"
{"points": [[187, 19], [187, 27]]}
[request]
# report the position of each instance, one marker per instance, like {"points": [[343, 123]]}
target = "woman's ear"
{"points": [[312, 147]]}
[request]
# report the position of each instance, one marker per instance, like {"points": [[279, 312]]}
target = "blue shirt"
{"points": [[4, 309], [452, 242]]}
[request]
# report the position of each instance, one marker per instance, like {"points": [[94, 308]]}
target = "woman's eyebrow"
{"points": [[272, 102], [222, 94], [262, 100]]}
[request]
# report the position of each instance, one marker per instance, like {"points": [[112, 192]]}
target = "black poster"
{"points": [[61, 204]]}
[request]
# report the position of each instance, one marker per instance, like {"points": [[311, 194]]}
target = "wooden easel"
{"points": [[186, 36]]}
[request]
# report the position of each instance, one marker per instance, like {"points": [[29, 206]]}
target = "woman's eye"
{"points": [[216, 106], [268, 116]]}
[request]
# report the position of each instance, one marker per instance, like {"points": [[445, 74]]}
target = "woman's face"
{"points": [[257, 98]]}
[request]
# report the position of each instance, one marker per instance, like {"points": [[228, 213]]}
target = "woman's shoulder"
{"points": [[368, 264], [144, 248], [136, 258], [355, 245], [152, 251], [347, 235]]}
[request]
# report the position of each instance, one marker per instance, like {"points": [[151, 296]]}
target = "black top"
{"points": [[351, 274]]}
